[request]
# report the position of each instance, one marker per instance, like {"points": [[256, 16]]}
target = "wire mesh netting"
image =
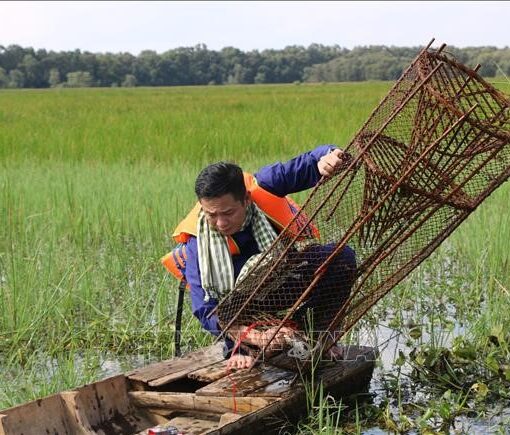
{"points": [[435, 147]]}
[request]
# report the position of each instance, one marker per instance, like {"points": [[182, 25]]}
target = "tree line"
{"points": [[28, 68]]}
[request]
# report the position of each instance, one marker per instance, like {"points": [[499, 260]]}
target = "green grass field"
{"points": [[93, 181]]}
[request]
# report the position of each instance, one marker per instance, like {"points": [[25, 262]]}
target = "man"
{"points": [[229, 212]]}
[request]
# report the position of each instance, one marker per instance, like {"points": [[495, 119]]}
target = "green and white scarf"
{"points": [[214, 259]]}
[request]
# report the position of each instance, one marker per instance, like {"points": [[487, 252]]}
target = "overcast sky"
{"points": [[135, 26]]}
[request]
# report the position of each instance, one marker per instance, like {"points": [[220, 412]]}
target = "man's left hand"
{"points": [[238, 361], [330, 163]]}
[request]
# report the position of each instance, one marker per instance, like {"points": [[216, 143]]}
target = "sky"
{"points": [[135, 26]]}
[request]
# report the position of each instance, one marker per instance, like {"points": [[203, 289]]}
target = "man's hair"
{"points": [[219, 179]]}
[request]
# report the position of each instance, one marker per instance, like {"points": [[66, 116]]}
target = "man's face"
{"points": [[225, 213]]}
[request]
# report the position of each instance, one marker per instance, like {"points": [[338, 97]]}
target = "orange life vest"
{"points": [[279, 210]]}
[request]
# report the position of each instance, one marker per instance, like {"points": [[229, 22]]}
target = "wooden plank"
{"points": [[265, 420], [343, 370], [159, 415], [157, 370], [192, 402], [357, 358], [349, 353], [105, 406], [185, 364], [210, 373], [227, 418], [171, 377], [281, 388], [48, 415], [281, 361], [360, 353], [245, 381], [191, 424], [69, 399]]}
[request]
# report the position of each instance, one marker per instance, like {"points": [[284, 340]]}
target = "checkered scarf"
{"points": [[214, 259]]}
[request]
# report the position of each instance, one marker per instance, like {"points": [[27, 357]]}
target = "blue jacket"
{"points": [[298, 174]]}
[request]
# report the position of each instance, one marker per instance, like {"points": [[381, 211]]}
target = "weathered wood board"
{"points": [[38, 417], [210, 373], [170, 370], [245, 381], [193, 402], [195, 424]]}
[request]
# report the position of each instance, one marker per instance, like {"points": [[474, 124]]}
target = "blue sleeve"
{"points": [[299, 173], [199, 307]]}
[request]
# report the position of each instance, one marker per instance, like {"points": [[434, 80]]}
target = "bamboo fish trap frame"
{"points": [[435, 147]]}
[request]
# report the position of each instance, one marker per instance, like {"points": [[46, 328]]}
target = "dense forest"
{"points": [[28, 68]]}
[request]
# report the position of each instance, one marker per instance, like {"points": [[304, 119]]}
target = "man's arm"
{"points": [[300, 173]]}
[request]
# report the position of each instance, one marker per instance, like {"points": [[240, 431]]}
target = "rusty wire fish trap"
{"points": [[435, 147]]}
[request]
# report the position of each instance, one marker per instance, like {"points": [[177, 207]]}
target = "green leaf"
{"points": [[497, 335], [400, 361], [415, 332], [492, 363], [481, 390], [507, 373]]}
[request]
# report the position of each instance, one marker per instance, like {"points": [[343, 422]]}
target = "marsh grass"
{"points": [[92, 182], [191, 125], [82, 245]]}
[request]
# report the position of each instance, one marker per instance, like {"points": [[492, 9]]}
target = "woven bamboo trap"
{"points": [[435, 147]]}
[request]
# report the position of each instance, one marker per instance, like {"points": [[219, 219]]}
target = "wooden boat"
{"points": [[193, 393]]}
